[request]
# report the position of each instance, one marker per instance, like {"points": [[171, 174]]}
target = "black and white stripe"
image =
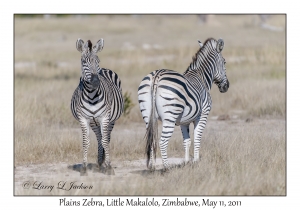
{"points": [[96, 102], [179, 99]]}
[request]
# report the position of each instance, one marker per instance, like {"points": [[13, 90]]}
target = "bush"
{"points": [[128, 104]]}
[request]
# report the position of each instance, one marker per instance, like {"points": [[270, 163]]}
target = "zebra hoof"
{"points": [[109, 171], [96, 169], [83, 170], [151, 168], [166, 169]]}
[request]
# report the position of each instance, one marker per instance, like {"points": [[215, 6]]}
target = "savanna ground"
{"points": [[243, 150]]}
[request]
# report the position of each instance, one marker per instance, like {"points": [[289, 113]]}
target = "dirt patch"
{"points": [[47, 172]]}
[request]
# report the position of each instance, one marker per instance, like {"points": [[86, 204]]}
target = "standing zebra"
{"points": [[179, 99], [96, 102]]}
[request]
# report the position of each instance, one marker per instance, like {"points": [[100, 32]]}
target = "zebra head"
{"points": [[90, 61], [220, 78]]}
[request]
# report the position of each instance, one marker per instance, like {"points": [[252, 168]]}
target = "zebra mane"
{"points": [[195, 62], [202, 48], [89, 45]]}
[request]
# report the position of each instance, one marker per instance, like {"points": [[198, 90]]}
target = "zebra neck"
{"points": [[206, 77], [202, 72], [202, 68]]}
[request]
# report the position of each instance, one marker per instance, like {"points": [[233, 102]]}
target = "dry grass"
{"points": [[237, 159]]}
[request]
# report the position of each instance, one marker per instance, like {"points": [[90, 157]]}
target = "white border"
{"points": [[8, 8]]}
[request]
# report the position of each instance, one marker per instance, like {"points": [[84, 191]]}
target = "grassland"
{"points": [[244, 155]]}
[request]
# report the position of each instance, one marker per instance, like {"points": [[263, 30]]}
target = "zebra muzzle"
{"points": [[224, 87], [95, 82]]}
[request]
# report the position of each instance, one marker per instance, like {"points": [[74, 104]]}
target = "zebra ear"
{"points": [[99, 46], [79, 44], [220, 45], [200, 43]]}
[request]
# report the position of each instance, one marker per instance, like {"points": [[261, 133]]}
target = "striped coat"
{"points": [[181, 99], [97, 102]]}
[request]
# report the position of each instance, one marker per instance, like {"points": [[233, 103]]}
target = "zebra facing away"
{"points": [[179, 99], [97, 102]]}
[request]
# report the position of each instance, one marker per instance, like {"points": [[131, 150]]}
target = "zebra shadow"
{"points": [[159, 172], [90, 166]]}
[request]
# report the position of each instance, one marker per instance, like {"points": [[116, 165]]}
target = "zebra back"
{"points": [[114, 83], [111, 76]]}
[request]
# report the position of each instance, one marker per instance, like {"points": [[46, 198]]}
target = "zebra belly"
{"points": [[172, 108], [188, 119], [116, 109]]}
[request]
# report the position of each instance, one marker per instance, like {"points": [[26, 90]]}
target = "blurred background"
{"points": [[47, 71]]}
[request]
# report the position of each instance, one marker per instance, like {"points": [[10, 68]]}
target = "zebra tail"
{"points": [[151, 131]]}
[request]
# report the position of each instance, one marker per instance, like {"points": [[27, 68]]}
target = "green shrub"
{"points": [[128, 104]]}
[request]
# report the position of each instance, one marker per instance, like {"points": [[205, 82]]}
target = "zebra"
{"points": [[96, 102], [180, 99]]}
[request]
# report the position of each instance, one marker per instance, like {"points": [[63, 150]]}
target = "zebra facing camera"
{"points": [[80, 46]]}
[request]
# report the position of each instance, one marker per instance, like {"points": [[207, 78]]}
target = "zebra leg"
{"points": [[186, 141], [199, 124], [97, 130], [105, 130], [110, 128], [84, 124], [167, 131]]}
